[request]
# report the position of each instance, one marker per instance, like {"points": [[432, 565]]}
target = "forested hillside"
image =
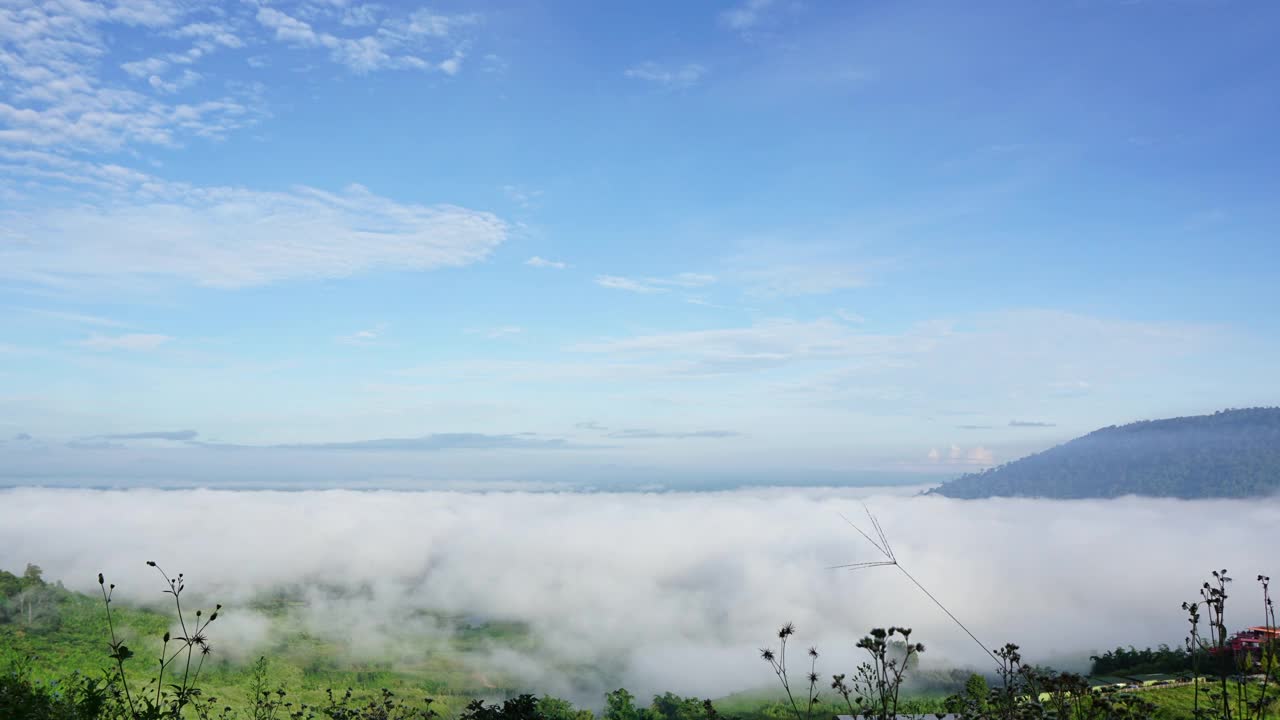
{"points": [[1231, 453]]}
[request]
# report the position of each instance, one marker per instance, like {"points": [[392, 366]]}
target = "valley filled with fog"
{"points": [[655, 591]]}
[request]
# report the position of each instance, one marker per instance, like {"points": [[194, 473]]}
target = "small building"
{"points": [[1253, 638], [1250, 641]]}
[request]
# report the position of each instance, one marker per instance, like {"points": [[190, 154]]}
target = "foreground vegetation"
{"points": [[157, 667]]}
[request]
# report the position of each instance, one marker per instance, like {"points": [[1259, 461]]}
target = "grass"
{"points": [[305, 663], [1179, 701]]}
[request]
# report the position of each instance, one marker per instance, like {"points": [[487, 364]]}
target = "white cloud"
{"points": [[776, 269], [655, 284], [976, 457], [145, 68], [683, 76], [497, 333], [745, 16], [186, 79], [675, 591], [77, 318], [216, 32], [540, 262], [363, 337], [792, 280], [974, 361], [397, 43], [451, 66], [617, 282], [140, 342], [767, 342], [50, 167], [521, 196], [56, 96], [233, 237], [685, 280]]}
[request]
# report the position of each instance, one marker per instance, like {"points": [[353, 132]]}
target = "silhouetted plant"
{"points": [[1267, 654], [192, 643], [778, 662], [877, 684]]}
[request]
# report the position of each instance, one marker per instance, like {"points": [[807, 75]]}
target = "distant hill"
{"points": [[1231, 453]]}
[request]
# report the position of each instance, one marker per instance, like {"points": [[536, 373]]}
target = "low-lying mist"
{"points": [[673, 591]]}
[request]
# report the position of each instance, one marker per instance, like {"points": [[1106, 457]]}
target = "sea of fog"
{"points": [[674, 591]]}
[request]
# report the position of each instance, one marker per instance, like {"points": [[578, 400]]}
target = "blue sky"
{"points": [[536, 240]]}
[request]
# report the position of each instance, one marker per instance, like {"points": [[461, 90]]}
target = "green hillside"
{"points": [[53, 631], [1229, 454]]}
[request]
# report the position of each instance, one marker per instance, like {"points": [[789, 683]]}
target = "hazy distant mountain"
{"points": [[1231, 453]]}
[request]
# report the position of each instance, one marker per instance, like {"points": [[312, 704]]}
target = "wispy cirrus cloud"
{"points": [[1030, 424], [541, 262], [674, 77], [522, 196], [232, 237], [402, 42], [685, 280], [650, 434], [52, 169], [134, 342], [746, 16], [363, 337], [765, 344], [174, 435], [72, 317], [617, 282], [431, 443], [497, 333]]}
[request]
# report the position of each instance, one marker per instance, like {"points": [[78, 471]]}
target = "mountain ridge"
{"points": [[1230, 453]]}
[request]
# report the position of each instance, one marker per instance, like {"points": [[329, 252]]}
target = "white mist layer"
{"points": [[676, 591]]}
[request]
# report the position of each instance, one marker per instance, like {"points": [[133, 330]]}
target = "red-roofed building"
{"points": [[1251, 640]]}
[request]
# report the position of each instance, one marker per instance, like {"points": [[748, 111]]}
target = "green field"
{"points": [[71, 635]]}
